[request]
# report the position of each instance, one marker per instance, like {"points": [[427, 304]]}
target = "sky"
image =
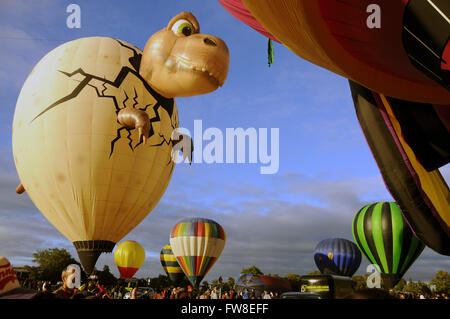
{"points": [[274, 221]]}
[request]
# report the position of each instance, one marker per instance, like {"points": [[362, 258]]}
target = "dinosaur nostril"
{"points": [[209, 42]]}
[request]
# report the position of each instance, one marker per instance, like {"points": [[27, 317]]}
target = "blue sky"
{"points": [[274, 221]]}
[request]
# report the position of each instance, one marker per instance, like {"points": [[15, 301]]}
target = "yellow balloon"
{"points": [[129, 257], [90, 176]]}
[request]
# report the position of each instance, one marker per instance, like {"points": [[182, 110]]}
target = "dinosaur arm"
{"points": [[134, 118]]}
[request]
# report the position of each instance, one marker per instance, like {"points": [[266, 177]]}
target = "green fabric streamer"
{"points": [[270, 52]]}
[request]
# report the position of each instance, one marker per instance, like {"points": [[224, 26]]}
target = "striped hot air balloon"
{"points": [[170, 264], [197, 244], [129, 257], [337, 256], [386, 240]]}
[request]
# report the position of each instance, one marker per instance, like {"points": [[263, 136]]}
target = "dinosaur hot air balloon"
{"points": [[170, 264], [92, 132], [400, 81], [386, 240], [129, 257], [337, 256], [197, 244]]}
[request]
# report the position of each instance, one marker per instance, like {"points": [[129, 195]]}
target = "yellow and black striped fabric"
{"points": [[170, 264]]}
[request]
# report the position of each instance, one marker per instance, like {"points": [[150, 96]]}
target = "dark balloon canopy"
{"points": [[337, 256], [410, 142], [386, 240], [259, 283]]}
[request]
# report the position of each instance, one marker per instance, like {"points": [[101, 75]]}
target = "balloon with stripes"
{"points": [[170, 264], [337, 256], [197, 244], [386, 240]]}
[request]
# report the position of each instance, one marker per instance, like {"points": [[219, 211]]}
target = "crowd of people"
{"points": [[93, 289], [12, 288]]}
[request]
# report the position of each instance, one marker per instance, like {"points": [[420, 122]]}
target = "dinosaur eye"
{"points": [[183, 27]]}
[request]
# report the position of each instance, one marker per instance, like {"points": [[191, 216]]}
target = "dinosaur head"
{"points": [[180, 61]]}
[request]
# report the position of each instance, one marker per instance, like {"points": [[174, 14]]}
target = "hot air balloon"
{"points": [[92, 131], [197, 244], [386, 240], [170, 264], [400, 81], [404, 58], [129, 257], [260, 283], [409, 152], [337, 256]]}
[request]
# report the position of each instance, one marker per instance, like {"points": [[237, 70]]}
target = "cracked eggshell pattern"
{"points": [[63, 157]]}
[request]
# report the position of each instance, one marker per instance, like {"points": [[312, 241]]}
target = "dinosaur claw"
{"points": [[134, 118]]}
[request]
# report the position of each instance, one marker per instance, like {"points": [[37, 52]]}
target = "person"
{"points": [[266, 295], [246, 294], [158, 294], [184, 294], [46, 287], [91, 289], [134, 292], [214, 294], [64, 292]]}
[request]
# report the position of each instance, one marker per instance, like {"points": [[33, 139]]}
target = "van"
{"points": [[328, 286]]}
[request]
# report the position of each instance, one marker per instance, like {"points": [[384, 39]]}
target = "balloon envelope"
{"points": [[170, 264], [88, 175], [409, 142], [337, 256], [334, 34], [129, 257], [261, 282], [386, 240], [238, 10], [197, 244]]}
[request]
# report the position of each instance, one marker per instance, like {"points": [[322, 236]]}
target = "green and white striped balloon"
{"points": [[386, 240]]}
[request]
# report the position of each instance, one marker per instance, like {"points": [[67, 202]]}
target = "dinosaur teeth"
{"points": [[184, 63]]}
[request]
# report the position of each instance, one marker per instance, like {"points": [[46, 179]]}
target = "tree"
{"points": [[294, 280], [441, 281], [160, 282], [401, 285], [314, 273], [106, 277], [215, 283], [361, 281], [417, 287], [52, 262], [204, 285], [252, 270], [273, 275]]}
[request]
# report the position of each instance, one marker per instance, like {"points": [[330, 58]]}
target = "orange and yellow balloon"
{"points": [[129, 257]]}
